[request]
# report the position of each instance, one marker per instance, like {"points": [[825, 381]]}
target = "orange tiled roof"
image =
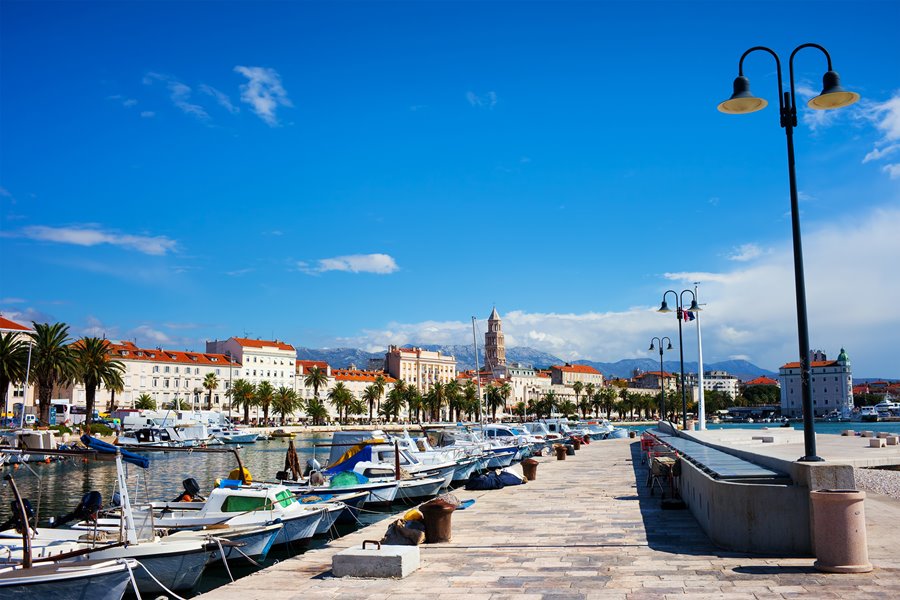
{"points": [[815, 363], [576, 369], [656, 374], [128, 351], [12, 325], [360, 375], [303, 366], [762, 380], [262, 344]]}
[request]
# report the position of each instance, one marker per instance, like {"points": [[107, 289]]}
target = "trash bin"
{"points": [[576, 443], [570, 449], [437, 515], [839, 531], [560, 451], [632, 434], [529, 469]]}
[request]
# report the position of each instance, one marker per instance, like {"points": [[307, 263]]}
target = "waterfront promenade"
{"points": [[587, 528]]}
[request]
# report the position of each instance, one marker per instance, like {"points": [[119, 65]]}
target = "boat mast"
{"points": [[478, 376]]}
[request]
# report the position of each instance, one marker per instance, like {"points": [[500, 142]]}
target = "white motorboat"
{"points": [[233, 435], [95, 579]]}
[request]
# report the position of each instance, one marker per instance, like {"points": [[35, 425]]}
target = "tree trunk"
{"points": [[90, 395], [44, 395], [209, 400], [246, 414]]}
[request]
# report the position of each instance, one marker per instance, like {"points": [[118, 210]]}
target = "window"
{"points": [[166, 370], [156, 368], [176, 369], [155, 382]]}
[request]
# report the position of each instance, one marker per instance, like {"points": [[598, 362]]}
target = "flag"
{"points": [[689, 316]]}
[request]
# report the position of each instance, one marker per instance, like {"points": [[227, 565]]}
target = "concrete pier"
{"points": [[586, 528]]}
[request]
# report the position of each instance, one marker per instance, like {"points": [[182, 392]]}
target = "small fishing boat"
{"points": [[233, 435], [281, 433], [95, 579]]}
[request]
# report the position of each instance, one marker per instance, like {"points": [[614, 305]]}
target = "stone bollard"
{"points": [[849, 432], [893, 440], [839, 531], [884, 434], [867, 434], [877, 443]]}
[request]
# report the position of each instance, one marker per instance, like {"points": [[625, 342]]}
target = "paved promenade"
{"points": [[587, 528]]}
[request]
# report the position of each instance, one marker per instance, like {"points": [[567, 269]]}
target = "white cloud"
{"points": [[220, 97], [746, 252], [148, 114], [380, 264], [179, 94], [814, 119], [263, 92], [11, 300], [886, 118], [749, 310], [488, 100], [91, 235], [5, 192], [879, 153], [893, 170], [154, 336]]}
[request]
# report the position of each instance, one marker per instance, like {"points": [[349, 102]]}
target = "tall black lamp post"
{"points": [[694, 307], [832, 96], [662, 383]]}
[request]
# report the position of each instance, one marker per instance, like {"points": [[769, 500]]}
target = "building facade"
{"points": [[17, 392], [495, 346], [260, 360], [651, 381], [831, 384], [164, 375], [568, 374], [420, 368]]}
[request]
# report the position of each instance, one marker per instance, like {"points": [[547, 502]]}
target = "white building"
{"points": [[260, 360], [17, 393], [568, 374], [831, 384], [164, 375], [719, 381], [420, 368]]}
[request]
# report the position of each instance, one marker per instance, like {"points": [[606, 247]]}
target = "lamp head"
{"points": [[670, 346], [651, 348], [694, 307], [664, 308], [833, 95], [742, 100]]}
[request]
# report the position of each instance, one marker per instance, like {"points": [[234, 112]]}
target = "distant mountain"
{"points": [[741, 369], [341, 358]]}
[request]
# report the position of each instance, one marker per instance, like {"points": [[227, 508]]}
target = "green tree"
{"points": [[340, 397], [316, 411], [370, 396], [759, 395], [469, 403], [145, 402], [285, 402], [265, 393], [519, 409], [494, 400], [115, 386], [454, 394], [505, 393], [589, 389], [414, 402], [180, 404], [578, 387], [608, 399], [95, 368], [243, 395], [380, 385], [315, 379], [210, 383], [357, 406], [395, 401], [435, 399], [13, 362], [549, 403], [567, 407], [52, 362]]}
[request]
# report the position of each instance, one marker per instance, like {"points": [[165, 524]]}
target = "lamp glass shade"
{"points": [[670, 346], [651, 348], [833, 94], [694, 307], [664, 308], [742, 101]]}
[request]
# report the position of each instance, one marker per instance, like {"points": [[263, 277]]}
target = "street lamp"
{"points": [[662, 387], [832, 96], [679, 305]]}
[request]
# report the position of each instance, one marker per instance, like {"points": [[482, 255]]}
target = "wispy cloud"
{"points": [[179, 94], [239, 272], [380, 264], [263, 92], [886, 118], [221, 97], [124, 101], [745, 252], [91, 235], [148, 114], [12, 300], [488, 100], [5, 192], [814, 119]]}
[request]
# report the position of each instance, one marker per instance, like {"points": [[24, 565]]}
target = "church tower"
{"points": [[494, 346]]}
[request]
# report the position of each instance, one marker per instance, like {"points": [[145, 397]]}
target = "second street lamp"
{"points": [[679, 305], [662, 383], [832, 96]]}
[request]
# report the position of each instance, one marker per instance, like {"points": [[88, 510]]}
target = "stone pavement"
{"points": [[586, 528]]}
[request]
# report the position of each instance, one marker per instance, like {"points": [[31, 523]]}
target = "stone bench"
{"points": [[877, 443], [866, 434]]}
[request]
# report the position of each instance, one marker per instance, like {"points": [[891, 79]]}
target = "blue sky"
{"points": [[363, 174]]}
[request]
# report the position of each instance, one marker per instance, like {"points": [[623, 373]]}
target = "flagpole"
{"points": [[701, 412]]}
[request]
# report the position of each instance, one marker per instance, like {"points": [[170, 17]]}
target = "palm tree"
{"points": [[494, 400], [370, 396], [95, 368], [316, 378], [609, 400], [285, 402], [265, 393], [316, 411], [340, 397], [210, 382], [145, 402], [243, 394], [380, 385], [550, 402], [584, 405], [519, 409], [567, 407], [13, 362], [115, 386], [589, 389], [52, 363], [437, 397], [454, 395], [180, 404], [577, 387], [356, 406], [414, 402], [469, 403], [505, 393], [395, 401]]}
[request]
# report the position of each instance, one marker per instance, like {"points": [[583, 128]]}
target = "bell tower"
{"points": [[494, 346]]}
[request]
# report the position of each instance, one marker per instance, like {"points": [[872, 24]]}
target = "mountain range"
{"points": [[341, 358]]}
